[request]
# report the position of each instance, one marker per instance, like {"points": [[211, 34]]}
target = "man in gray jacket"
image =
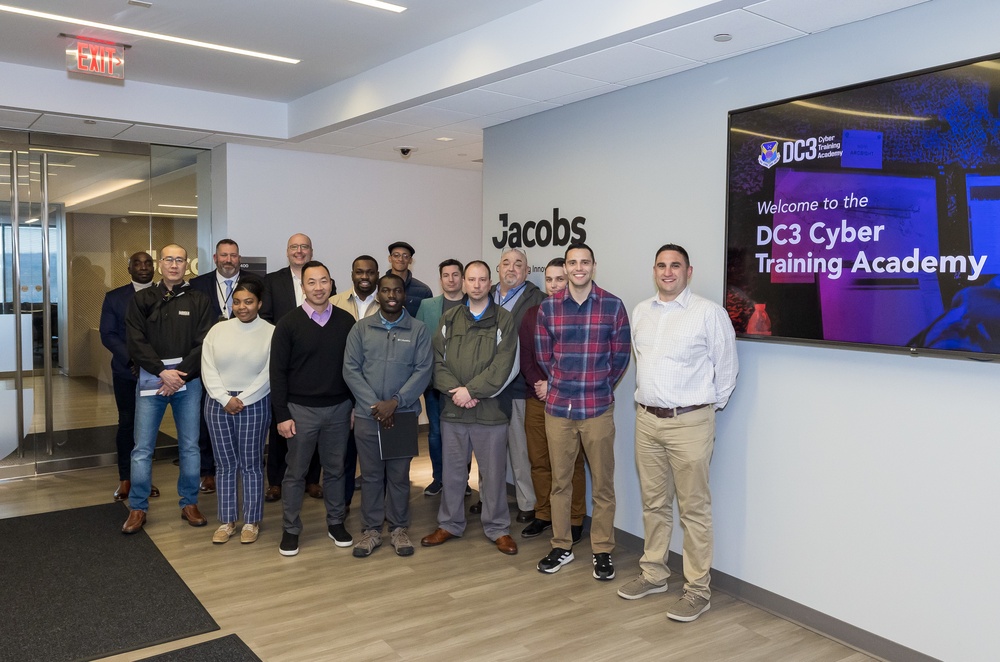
{"points": [[475, 358], [387, 365]]}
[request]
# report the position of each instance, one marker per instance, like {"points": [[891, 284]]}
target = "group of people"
{"points": [[514, 375]]}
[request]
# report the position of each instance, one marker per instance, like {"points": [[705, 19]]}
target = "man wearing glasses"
{"points": [[400, 257], [165, 326]]}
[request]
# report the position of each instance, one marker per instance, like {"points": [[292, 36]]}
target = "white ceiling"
{"points": [[371, 81]]}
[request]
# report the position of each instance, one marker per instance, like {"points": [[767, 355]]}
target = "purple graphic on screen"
{"points": [[858, 218]]}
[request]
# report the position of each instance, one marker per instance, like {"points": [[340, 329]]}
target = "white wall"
{"points": [[863, 485], [348, 206]]}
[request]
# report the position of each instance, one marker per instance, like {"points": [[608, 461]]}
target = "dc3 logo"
{"points": [[769, 155]]}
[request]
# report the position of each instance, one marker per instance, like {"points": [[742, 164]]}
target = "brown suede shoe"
{"points": [[314, 490], [439, 537], [272, 494], [123, 489], [506, 545], [193, 515], [136, 518]]}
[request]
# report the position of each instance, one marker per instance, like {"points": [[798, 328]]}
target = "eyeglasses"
{"points": [[400, 256], [174, 260], [299, 247]]}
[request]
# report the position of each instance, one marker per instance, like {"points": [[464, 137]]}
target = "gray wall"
{"points": [[863, 485]]}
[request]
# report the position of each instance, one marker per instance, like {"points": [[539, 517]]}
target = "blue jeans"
{"points": [[433, 399], [149, 409]]}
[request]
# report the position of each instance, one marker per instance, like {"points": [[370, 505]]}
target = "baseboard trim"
{"points": [[822, 624]]}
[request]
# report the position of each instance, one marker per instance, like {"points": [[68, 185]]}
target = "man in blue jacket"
{"points": [[387, 365], [124, 372]]}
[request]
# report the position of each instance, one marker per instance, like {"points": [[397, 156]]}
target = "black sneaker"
{"points": [[604, 570], [476, 508], [433, 489], [468, 491], [577, 533], [289, 544], [535, 528], [339, 535], [556, 559]]}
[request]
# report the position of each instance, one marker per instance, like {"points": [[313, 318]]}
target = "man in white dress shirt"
{"points": [[686, 368]]}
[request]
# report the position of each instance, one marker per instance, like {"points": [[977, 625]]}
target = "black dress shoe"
{"points": [[476, 508], [536, 528], [154, 491], [525, 516]]}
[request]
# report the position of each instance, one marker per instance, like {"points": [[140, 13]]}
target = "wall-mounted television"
{"points": [[869, 216]]}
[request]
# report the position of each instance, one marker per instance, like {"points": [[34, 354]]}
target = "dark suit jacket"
{"points": [[279, 295], [209, 286], [113, 329]]}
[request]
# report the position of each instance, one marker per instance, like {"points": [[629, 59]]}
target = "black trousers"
{"points": [[125, 437]]}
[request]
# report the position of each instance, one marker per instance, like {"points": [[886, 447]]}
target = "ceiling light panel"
{"points": [[143, 33], [377, 4]]}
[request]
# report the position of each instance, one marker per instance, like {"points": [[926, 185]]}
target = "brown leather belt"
{"points": [[670, 412]]}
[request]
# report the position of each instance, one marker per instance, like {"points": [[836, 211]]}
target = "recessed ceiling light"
{"points": [[723, 37], [142, 33], [377, 4], [444, 139]]}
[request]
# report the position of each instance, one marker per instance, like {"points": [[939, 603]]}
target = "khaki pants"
{"points": [[597, 438], [672, 456], [541, 470]]}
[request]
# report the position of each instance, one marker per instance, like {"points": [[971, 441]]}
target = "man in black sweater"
{"points": [[312, 403]]}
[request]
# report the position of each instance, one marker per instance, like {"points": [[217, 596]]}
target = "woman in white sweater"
{"points": [[235, 359]]}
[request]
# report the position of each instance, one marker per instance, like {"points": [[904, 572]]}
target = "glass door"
{"points": [[106, 200]]}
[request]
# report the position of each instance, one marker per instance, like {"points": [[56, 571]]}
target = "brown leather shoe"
{"points": [[440, 536], [272, 494], [193, 515], [136, 518], [525, 516], [154, 491], [123, 489], [207, 485], [314, 490], [506, 545]]}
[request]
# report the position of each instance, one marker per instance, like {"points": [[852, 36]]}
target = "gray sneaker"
{"points": [[640, 587], [401, 542], [370, 541], [688, 607]]}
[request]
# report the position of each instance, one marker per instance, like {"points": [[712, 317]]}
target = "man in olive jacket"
{"points": [[475, 358]]}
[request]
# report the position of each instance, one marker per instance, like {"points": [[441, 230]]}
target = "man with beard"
{"points": [[387, 364]]}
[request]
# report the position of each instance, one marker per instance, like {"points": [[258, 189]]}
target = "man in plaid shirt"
{"points": [[583, 343]]}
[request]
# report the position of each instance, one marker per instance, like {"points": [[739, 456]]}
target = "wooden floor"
{"points": [[461, 601]]}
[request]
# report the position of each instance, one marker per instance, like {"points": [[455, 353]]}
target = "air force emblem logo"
{"points": [[769, 154]]}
